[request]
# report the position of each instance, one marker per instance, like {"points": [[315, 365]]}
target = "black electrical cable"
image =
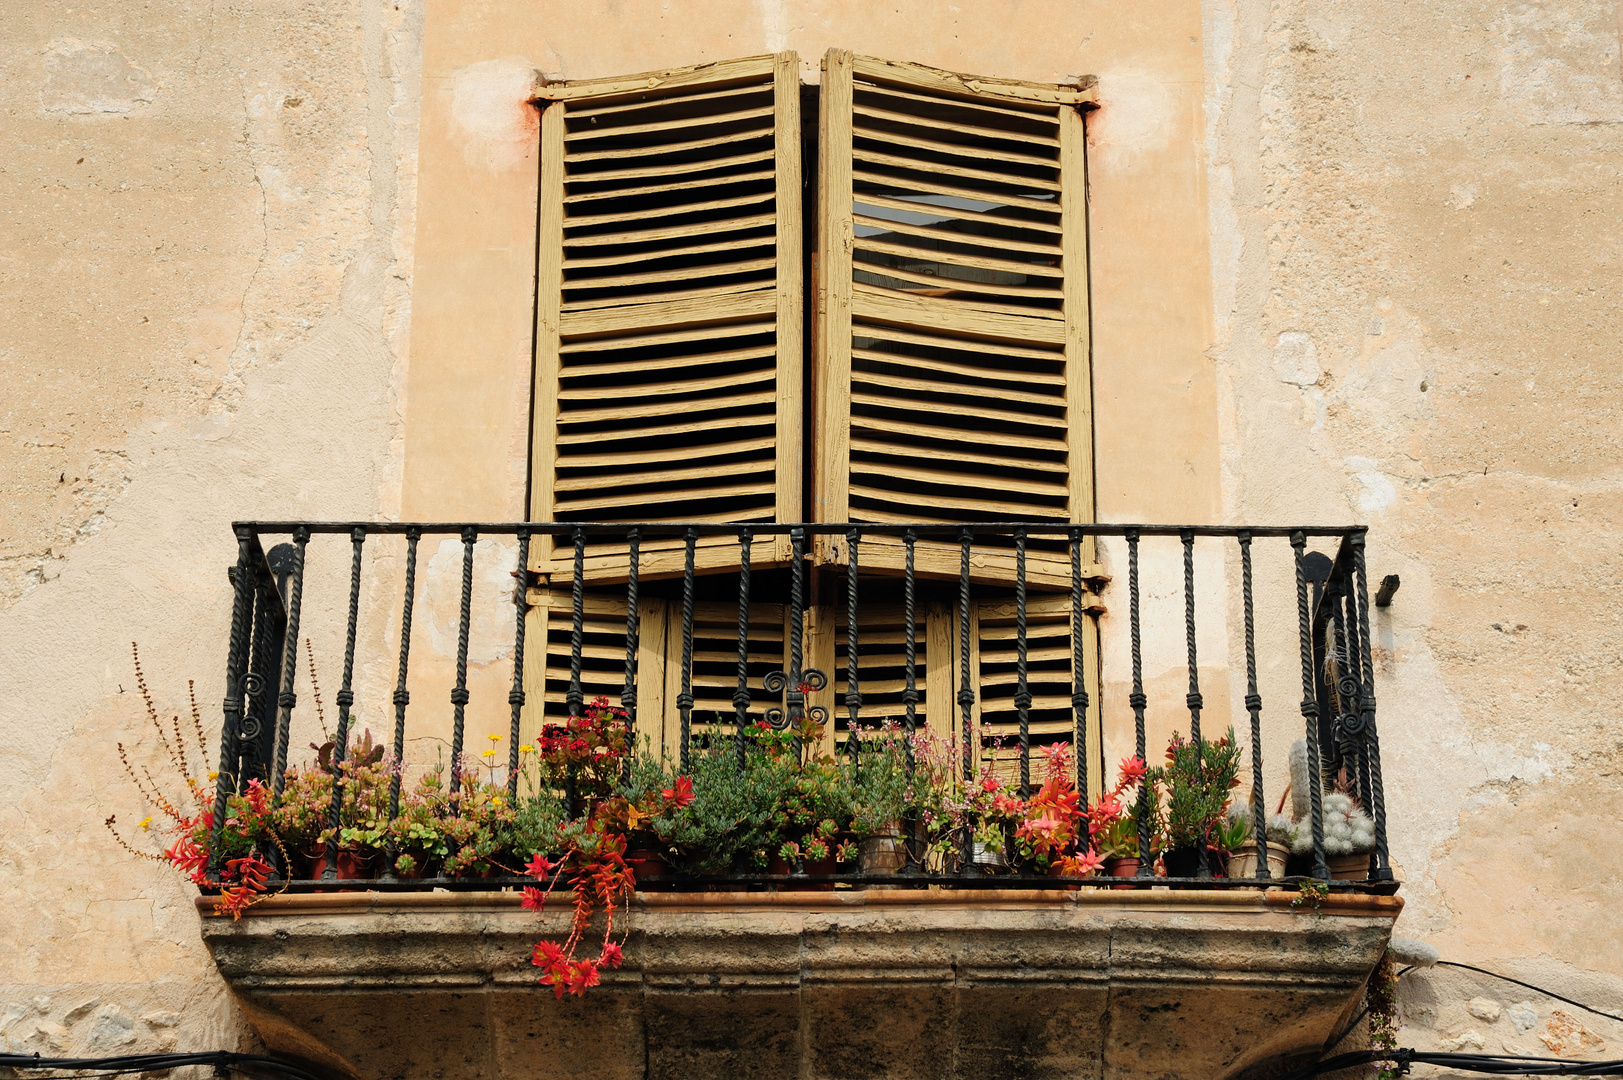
{"points": [[1530, 986], [1348, 1030], [250, 1064], [1492, 1064]]}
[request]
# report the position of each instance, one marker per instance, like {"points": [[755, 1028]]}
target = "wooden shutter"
{"points": [[715, 667], [953, 378], [992, 661], [668, 326], [1051, 717], [659, 662], [603, 657], [881, 667]]}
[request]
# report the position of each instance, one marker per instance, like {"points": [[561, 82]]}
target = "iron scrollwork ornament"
{"points": [[811, 680]]}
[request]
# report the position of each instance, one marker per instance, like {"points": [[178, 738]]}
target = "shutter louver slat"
{"points": [[881, 667], [1048, 679], [715, 664], [664, 340]]}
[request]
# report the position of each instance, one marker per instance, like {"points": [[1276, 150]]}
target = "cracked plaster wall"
{"points": [[1415, 217], [205, 251]]}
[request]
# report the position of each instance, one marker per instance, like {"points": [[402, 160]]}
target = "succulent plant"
{"points": [[1283, 831], [1347, 829]]}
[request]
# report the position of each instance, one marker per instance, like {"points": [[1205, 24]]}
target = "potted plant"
{"points": [[1349, 837], [1049, 834], [1113, 824], [735, 817], [879, 792], [1195, 783], [1239, 842], [989, 814]]}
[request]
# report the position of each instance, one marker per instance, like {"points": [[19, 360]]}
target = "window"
{"points": [[757, 301]]}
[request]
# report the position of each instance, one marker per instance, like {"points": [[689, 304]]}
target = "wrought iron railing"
{"points": [[1331, 601]]}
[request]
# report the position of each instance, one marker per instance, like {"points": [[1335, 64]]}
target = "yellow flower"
{"points": [[496, 801], [526, 749], [494, 738], [214, 776], [488, 754], [146, 822]]}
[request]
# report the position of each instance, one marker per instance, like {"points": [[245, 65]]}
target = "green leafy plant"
{"points": [[878, 784], [1192, 789], [733, 814]]}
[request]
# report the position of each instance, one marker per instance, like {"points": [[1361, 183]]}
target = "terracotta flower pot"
{"points": [[1348, 867], [310, 863], [821, 868], [1243, 863], [648, 864], [1123, 867], [355, 864], [884, 853]]}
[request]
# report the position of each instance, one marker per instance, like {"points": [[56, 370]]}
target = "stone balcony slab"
{"points": [[974, 983]]}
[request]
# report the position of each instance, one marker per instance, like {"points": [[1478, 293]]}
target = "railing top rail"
{"points": [[731, 529]]}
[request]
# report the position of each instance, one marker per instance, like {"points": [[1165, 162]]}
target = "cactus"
{"points": [[1283, 831], [1347, 829]]}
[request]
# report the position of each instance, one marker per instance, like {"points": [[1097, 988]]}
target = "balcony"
{"points": [[980, 938]]}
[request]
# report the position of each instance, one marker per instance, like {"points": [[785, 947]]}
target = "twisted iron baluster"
{"points": [[346, 698], [402, 696], [1022, 688], [573, 697], [1079, 691], [684, 700], [1194, 698], [459, 694], [628, 694], [1382, 870], [910, 691], [1310, 708], [256, 745], [242, 605], [853, 690], [290, 657], [1253, 704], [1137, 700], [741, 694], [515, 696], [966, 685]]}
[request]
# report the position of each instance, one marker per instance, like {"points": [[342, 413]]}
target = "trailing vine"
{"points": [[1382, 999]]}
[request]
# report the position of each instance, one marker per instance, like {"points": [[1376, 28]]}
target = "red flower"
{"points": [[534, 900], [612, 954], [681, 794], [540, 867]]}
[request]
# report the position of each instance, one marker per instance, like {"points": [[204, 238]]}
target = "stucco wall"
{"points": [[1352, 261], [1415, 213], [205, 260]]}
